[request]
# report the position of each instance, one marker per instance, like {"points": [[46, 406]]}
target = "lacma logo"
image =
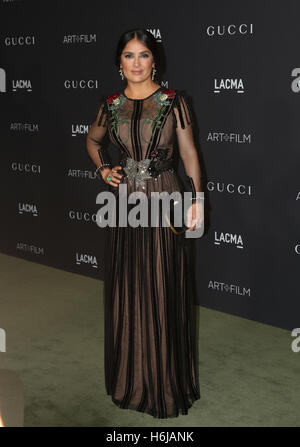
{"points": [[18, 84], [156, 33], [2, 80], [80, 129], [229, 84], [229, 238], [84, 258], [28, 208], [21, 84]]}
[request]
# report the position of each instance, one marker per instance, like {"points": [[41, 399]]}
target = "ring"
{"points": [[108, 178]]}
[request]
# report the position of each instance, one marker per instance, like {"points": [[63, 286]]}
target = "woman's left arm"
{"points": [[189, 154]]}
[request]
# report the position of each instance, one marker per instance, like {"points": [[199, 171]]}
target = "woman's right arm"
{"points": [[95, 137], [95, 148]]}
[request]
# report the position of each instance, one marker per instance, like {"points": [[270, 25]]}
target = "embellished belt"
{"points": [[142, 170]]}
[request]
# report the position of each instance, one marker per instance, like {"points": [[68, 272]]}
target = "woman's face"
{"points": [[136, 61]]}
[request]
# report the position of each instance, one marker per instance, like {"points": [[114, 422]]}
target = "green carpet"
{"points": [[249, 376]]}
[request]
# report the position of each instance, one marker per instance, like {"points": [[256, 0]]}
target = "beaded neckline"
{"points": [[141, 99]]}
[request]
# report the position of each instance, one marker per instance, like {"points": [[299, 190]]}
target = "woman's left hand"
{"points": [[195, 215]]}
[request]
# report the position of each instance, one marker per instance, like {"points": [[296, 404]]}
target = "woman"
{"points": [[150, 350]]}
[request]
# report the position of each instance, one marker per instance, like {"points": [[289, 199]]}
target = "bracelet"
{"points": [[101, 166]]}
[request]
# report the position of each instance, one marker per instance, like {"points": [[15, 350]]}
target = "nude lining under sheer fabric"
{"points": [[150, 315]]}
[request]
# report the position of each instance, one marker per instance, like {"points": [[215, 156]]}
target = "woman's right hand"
{"points": [[115, 177]]}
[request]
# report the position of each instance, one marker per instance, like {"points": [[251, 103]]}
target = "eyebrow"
{"points": [[145, 51]]}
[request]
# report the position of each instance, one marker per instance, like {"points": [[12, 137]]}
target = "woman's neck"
{"points": [[138, 90]]}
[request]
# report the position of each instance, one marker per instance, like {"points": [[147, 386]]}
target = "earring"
{"points": [[153, 73], [121, 73]]}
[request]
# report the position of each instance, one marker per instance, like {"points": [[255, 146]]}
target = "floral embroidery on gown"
{"points": [[150, 332]]}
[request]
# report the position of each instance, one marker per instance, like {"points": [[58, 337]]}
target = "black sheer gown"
{"points": [[150, 340]]}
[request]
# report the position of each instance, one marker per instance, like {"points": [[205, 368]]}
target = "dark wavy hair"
{"points": [[147, 39]]}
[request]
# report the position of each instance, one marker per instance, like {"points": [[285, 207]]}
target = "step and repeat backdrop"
{"points": [[238, 61]]}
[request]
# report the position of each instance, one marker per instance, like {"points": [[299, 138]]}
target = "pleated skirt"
{"points": [[151, 342]]}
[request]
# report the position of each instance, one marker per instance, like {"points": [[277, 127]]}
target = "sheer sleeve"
{"points": [[96, 134], [186, 143]]}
